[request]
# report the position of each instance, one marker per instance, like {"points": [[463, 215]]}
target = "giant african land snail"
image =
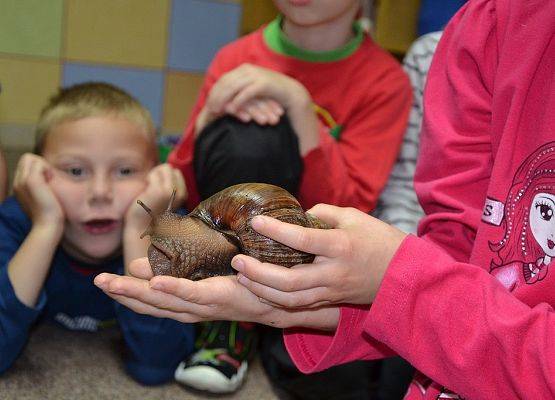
{"points": [[202, 243]]}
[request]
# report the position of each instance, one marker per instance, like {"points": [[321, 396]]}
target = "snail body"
{"points": [[202, 243]]}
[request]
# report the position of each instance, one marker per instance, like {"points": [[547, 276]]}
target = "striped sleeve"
{"points": [[398, 204]]}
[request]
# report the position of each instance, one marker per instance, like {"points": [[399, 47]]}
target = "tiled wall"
{"points": [[158, 50]]}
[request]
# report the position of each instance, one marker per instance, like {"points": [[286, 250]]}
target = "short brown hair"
{"points": [[87, 100]]}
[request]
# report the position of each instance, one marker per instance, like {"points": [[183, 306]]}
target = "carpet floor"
{"points": [[58, 364]]}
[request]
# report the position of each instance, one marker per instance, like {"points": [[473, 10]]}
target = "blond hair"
{"points": [[88, 100]]}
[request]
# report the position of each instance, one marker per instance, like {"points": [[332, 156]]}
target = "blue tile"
{"points": [[199, 28], [147, 86]]}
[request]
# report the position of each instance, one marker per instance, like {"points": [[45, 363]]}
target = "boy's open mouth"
{"points": [[100, 226]]}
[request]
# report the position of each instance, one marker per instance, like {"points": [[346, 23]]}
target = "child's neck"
{"points": [[329, 36]]}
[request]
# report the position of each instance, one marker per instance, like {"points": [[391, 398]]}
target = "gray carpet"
{"points": [[59, 364]]}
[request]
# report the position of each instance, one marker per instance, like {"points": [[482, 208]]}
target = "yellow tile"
{"points": [[396, 24], [26, 86], [181, 94], [256, 13], [129, 32]]}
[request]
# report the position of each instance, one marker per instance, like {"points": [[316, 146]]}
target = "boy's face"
{"points": [[315, 12], [100, 166]]}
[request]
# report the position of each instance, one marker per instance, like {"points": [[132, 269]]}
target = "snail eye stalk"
{"points": [[143, 205]]}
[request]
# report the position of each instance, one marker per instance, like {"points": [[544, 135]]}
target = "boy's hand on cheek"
{"points": [[161, 182], [34, 192]]}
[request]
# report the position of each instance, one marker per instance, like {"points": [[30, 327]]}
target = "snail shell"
{"points": [[202, 243]]}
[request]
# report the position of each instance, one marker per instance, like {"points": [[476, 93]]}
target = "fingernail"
{"points": [[156, 285], [237, 264]]}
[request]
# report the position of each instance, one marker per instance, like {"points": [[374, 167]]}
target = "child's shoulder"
{"points": [[243, 45], [375, 63]]}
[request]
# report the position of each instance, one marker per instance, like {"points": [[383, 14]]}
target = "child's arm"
{"points": [[26, 253], [238, 88], [361, 160], [259, 94], [28, 268], [155, 346]]}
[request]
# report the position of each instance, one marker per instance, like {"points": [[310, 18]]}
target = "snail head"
{"points": [[161, 252]]}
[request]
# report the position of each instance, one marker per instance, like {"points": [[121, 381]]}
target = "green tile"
{"points": [[31, 27]]}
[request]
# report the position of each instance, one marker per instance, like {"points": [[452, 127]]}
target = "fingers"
{"points": [[262, 111], [139, 289], [247, 93], [313, 297], [30, 167], [142, 308], [331, 215], [179, 185], [278, 277], [161, 182], [226, 88], [205, 292], [182, 288], [324, 242], [140, 268]]}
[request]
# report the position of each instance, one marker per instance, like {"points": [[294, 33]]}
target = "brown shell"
{"points": [[202, 243]]}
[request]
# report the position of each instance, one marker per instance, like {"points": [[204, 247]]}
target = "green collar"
{"points": [[277, 41]]}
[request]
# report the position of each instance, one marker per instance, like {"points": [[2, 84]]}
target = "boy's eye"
{"points": [[77, 172], [126, 171]]}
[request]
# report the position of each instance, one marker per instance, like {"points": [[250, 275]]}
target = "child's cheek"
{"points": [[64, 189], [69, 194]]}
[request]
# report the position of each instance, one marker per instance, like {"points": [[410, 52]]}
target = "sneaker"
{"points": [[220, 364]]}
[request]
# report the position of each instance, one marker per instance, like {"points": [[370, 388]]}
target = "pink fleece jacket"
{"points": [[469, 303]]}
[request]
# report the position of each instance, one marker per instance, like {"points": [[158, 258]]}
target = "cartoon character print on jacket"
{"points": [[528, 244]]}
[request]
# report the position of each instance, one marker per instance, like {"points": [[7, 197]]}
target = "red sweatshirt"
{"points": [[469, 304], [363, 98]]}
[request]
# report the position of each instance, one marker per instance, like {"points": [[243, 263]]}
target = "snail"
{"points": [[202, 243]]}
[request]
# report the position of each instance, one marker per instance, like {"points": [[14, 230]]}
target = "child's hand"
{"points": [[235, 89], [32, 189], [218, 298], [252, 92], [263, 111], [161, 182], [350, 264]]}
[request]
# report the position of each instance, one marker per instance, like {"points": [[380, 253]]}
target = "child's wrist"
{"points": [[48, 231], [135, 224], [300, 99]]}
